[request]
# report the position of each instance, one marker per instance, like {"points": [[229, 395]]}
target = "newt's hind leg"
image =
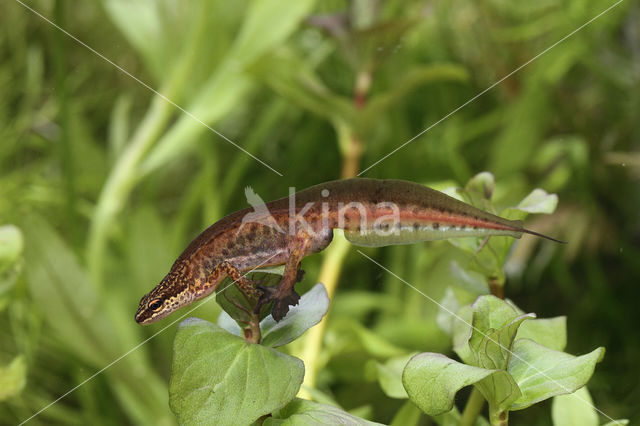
{"points": [[284, 294]]}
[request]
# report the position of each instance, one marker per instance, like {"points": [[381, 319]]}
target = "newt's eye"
{"points": [[155, 305]]}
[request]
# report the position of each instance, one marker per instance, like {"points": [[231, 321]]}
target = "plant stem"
{"points": [[351, 149], [496, 286], [123, 176], [473, 408], [252, 333], [498, 417]]}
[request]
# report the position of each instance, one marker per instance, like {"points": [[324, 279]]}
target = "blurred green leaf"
{"points": [[302, 412], [542, 372], [216, 375], [574, 409], [13, 378], [390, 375], [538, 202], [482, 184], [11, 245], [447, 308]]}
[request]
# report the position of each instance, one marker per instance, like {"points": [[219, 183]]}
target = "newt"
{"points": [[371, 212]]}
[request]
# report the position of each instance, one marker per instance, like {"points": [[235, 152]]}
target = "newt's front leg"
{"points": [[284, 294], [228, 269]]}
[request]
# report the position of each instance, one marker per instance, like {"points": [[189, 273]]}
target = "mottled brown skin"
{"points": [[229, 248]]}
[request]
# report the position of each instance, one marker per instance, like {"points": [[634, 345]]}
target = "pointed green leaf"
{"points": [[220, 378], [542, 372], [432, 381], [538, 201], [302, 412], [574, 409], [549, 332], [312, 306], [13, 377]]}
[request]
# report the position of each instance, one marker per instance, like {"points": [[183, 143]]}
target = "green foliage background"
{"points": [[108, 182]]}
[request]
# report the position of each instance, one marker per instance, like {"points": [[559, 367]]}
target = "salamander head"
{"points": [[171, 294]]}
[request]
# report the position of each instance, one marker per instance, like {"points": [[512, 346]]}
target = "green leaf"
{"points": [[542, 372], [11, 245], [538, 201], [574, 409], [218, 377], [408, 414], [13, 378], [302, 412], [390, 376], [490, 334], [447, 307], [500, 390], [483, 184], [493, 349], [549, 332], [470, 281], [432, 381], [313, 305]]}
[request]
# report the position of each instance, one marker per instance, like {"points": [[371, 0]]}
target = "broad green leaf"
{"points": [[432, 381], [574, 409], [620, 422], [390, 376], [13, 378], [549, 332], [538, 201], [542, 372], [302, 412], [311, 307], [219, 378]]}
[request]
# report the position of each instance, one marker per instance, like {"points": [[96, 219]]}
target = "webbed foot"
{"points": [[281, 302]]}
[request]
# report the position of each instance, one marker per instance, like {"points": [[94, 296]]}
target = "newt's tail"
{"points": [[518, 224]]}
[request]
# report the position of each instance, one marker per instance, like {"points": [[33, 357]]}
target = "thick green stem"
{"points": [[472, 409], [124, 174]]}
